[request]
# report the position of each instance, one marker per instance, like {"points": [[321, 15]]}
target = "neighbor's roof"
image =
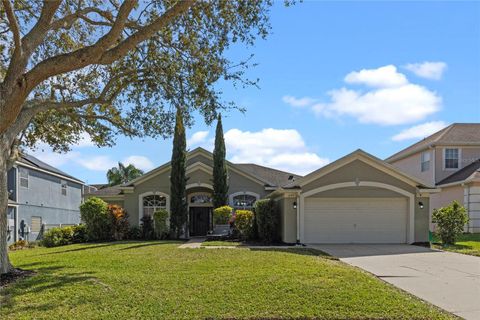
{"points": [[106, 191], [456, 134], [34, 162], [462, 174], [275, 177]]}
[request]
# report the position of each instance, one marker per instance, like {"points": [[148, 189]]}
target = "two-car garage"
{"points": [[356, 199], [356, 220]]}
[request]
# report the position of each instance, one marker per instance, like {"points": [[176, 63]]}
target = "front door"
{"points": [[199, 221]]}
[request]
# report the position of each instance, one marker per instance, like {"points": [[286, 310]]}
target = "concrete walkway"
{"points": [[193, 243], [448, 280]]}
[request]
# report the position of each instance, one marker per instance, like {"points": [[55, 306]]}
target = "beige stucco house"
{"points": [[450, 160], [356, 199]]}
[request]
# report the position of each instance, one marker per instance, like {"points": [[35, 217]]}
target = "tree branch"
{"points": [[12, 21], [67, 21]]}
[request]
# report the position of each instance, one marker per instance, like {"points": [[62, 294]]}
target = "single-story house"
{"points": [[356, 199]]}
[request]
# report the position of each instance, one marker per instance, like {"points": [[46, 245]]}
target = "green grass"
{"points": [[221, 243], [468, 243], [157, 280]]}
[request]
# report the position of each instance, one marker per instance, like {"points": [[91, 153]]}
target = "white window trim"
{"points": [[241, 193], [459, 159], [422, 161], [20, 178], [150, 193], [63, 182]]}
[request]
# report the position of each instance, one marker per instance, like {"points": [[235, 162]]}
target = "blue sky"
{"points": [[334, 77]]}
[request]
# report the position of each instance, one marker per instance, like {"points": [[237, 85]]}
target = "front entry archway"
{"points": [[200, 211]]}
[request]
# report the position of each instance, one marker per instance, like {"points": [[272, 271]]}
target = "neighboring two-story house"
{"points": [[40, 197], [450, 160]]}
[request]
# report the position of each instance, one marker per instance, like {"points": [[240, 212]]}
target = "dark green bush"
{"points": [[267, 216], [450, 222], [95, 215], [80, 233], [134, 233], [160, 221], [244, 221], [148, 233]]}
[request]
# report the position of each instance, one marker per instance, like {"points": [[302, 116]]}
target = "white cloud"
{"points": [[84, 141], [139, 162], [298, 102], [97, 163], [281, 149], [428, 70], [420, 131], [197, 138], [382, 77], [392, 100]]}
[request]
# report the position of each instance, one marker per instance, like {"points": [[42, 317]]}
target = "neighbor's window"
{"points": [[244, 201], [36, 224], [23, 177], [425, 161], [451, 158], [64, 187], [153, 203]]}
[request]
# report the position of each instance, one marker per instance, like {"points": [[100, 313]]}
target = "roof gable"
{"points": [[453, 135], [365, 157], [463, 174]]}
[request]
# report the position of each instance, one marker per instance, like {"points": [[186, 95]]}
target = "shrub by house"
{"points": [[450, 222], [244, 224], [267, 216]]}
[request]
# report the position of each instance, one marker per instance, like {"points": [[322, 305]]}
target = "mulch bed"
{"points": [[15, 275]]}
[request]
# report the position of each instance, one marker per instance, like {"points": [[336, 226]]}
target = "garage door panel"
{"points": [[355, 220]]}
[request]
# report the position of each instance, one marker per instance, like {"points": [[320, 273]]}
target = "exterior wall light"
{"points": [[420, 204], [295, 205]]}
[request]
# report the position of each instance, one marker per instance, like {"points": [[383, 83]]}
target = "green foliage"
{"points": [[267, 217], [160, 221], [244, 221], [122, 174], [95, 215], [178, 180], [450, 221], [134, 233], [62, 236], [220, 174], [119, 225], [148, 231], [222, 215]]}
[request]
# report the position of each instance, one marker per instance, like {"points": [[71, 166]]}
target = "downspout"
{"points": [[298, 220]]}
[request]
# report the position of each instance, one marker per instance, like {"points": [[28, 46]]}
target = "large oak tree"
{"points": [[113, 67]]}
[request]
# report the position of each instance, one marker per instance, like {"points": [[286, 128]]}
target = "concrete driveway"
{"points": [[450, 281]]}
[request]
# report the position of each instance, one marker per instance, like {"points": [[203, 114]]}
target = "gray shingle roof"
{"points": [[107, 191], [454, 134], [462, 174], [34, 162], [274, 177]]}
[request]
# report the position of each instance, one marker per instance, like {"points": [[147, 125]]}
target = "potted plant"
{"points": [[221, 218]]}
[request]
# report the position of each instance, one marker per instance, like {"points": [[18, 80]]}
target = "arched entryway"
{"points": [[200, 209]]}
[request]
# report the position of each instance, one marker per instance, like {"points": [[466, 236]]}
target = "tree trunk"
{"points": [[5, 265]]}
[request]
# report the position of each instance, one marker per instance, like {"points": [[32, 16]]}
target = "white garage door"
{"points": [[355, 220]]}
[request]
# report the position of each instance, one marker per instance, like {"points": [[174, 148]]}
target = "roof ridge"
{"points": [[446, 130], [270, 168]]}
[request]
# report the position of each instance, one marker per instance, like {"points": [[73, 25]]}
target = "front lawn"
{"points": [[157, 280], [468, 243], [221, 243]]}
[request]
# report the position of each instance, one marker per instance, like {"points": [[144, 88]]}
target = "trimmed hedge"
{"points": [[62, 236], [222, 215], [267, 216], [244, 223]]}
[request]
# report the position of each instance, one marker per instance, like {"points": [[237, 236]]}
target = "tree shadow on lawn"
{"points": [[151, 243], [46, 278], [299, 251]]}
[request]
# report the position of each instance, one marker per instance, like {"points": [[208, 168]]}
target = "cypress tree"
{"points": [[178, 180], [220, 183]]}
